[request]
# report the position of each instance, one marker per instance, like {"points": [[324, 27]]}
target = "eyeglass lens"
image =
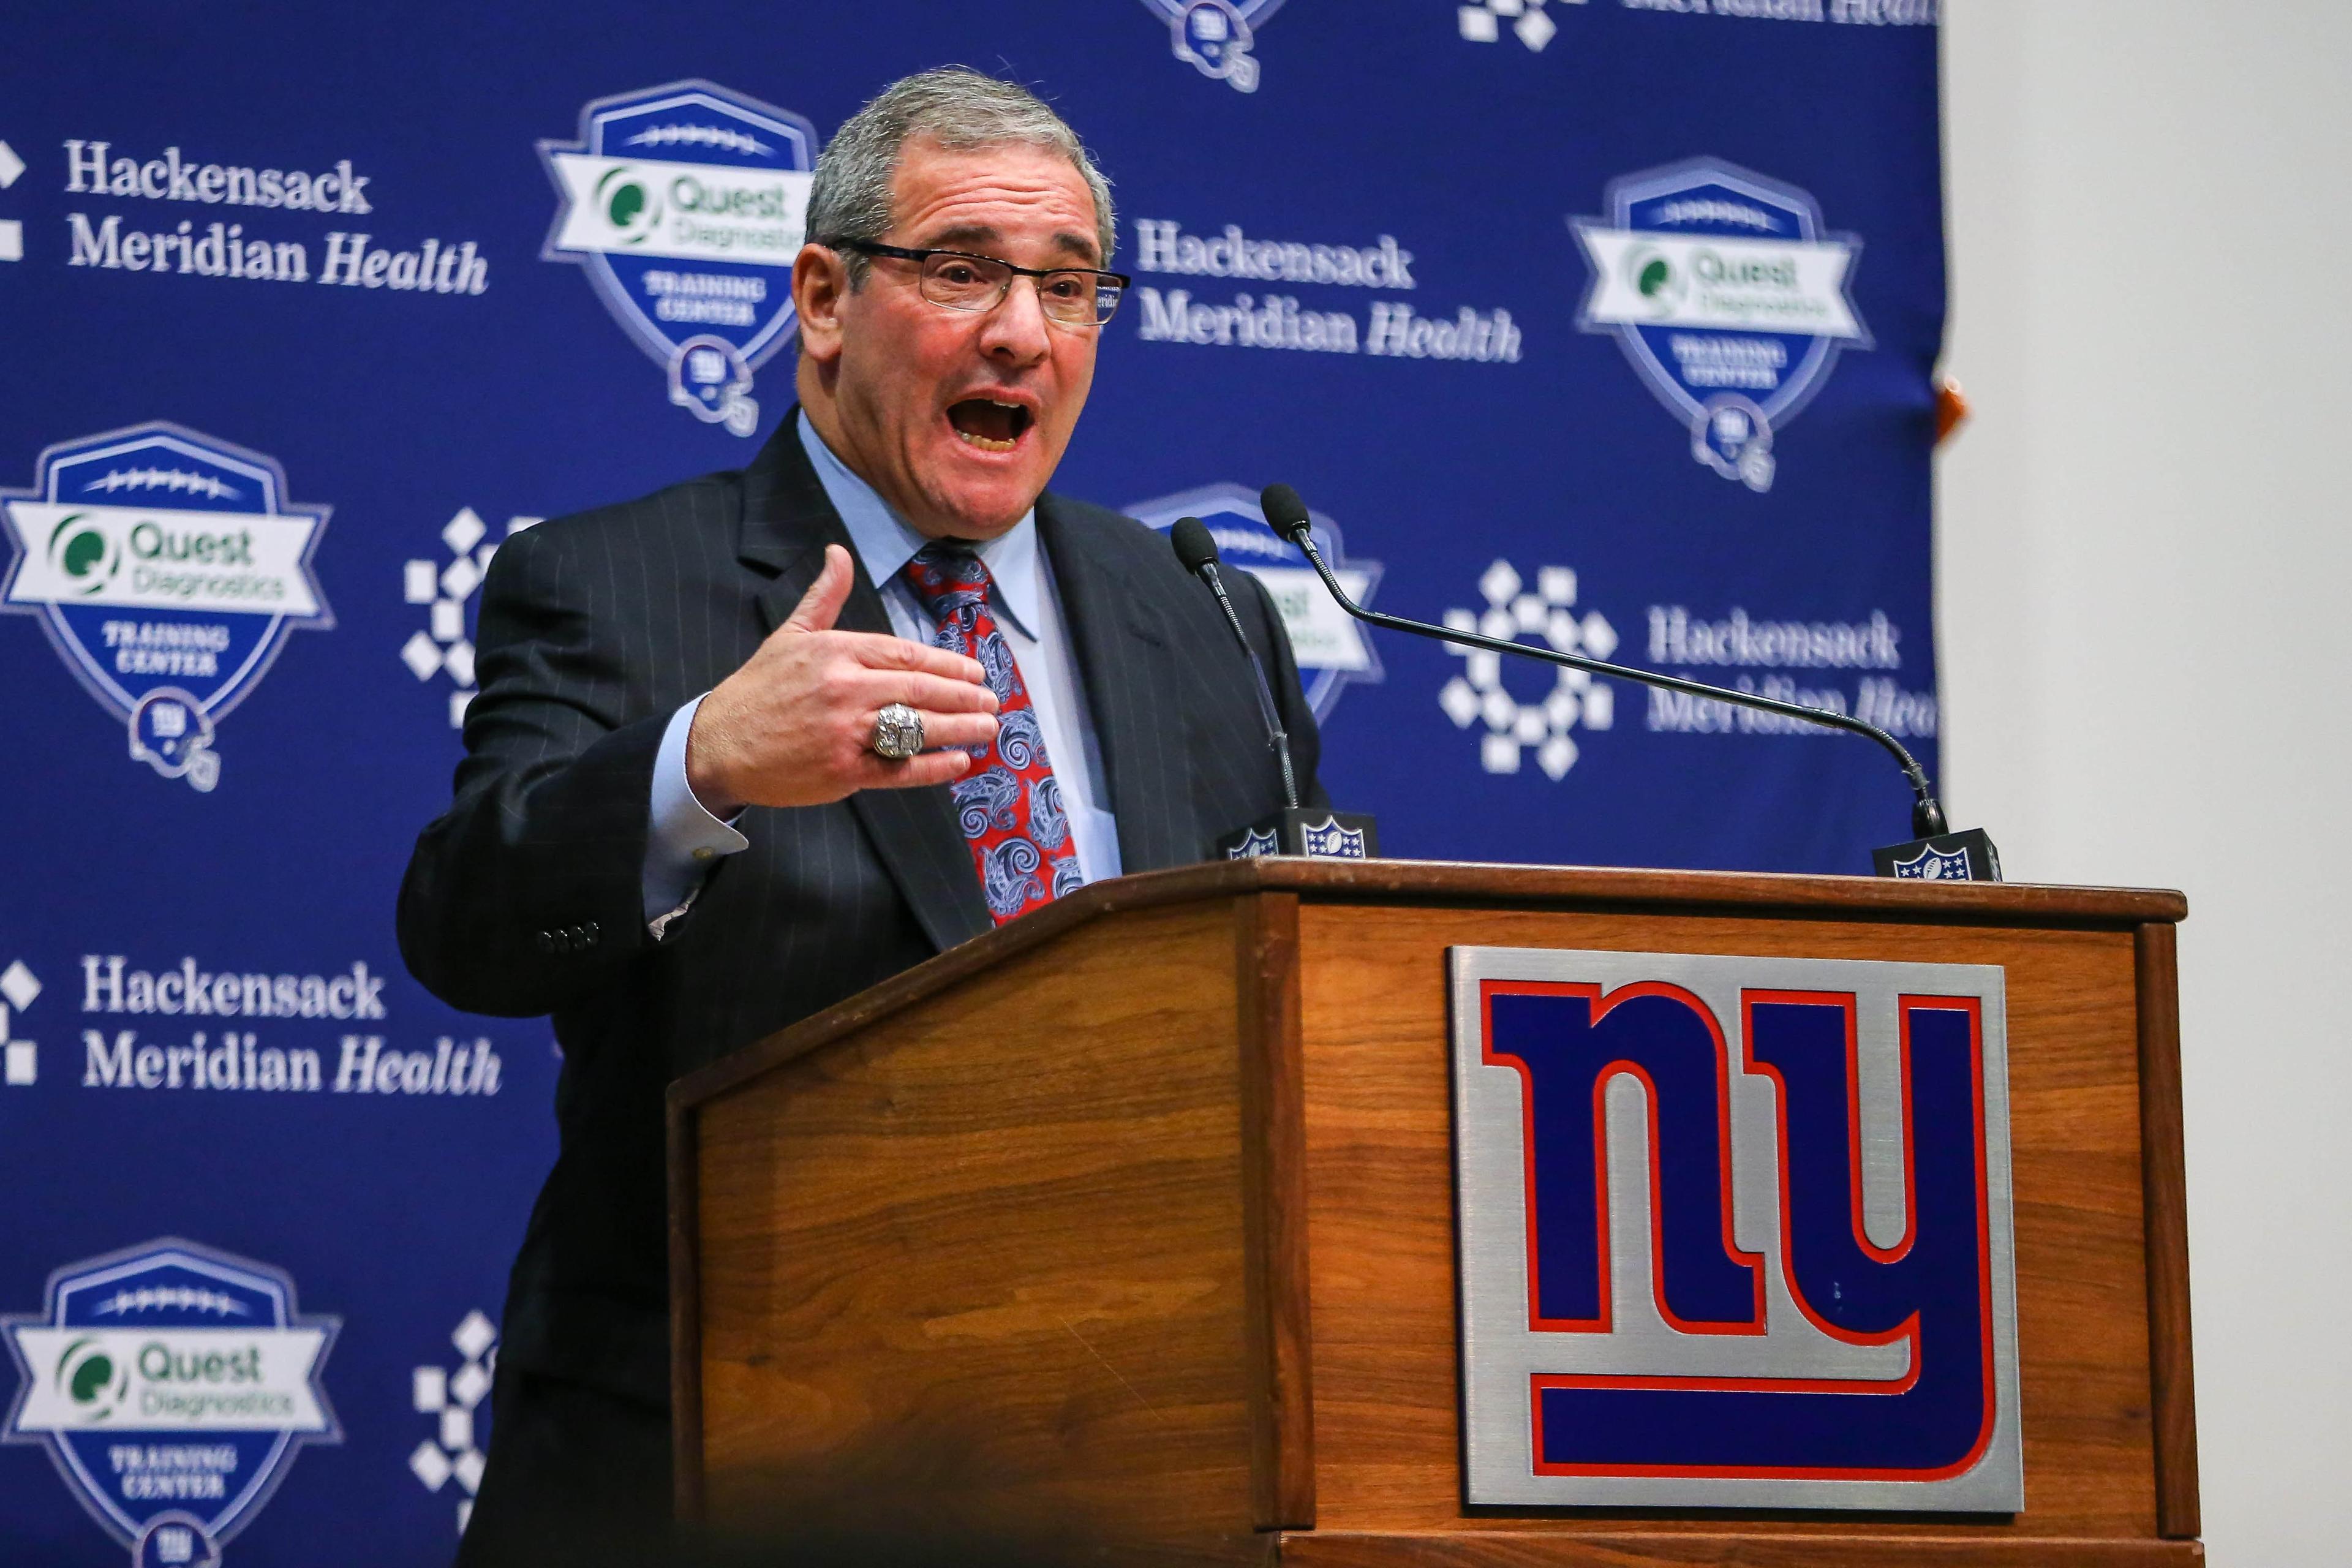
{"points": [[973, 283]]}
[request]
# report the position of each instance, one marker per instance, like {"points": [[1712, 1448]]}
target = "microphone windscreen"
{"points": [[1285, 512], [1193, 546]]}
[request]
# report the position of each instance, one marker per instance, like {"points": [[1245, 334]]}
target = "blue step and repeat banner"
{"points": [[1606, 325]]}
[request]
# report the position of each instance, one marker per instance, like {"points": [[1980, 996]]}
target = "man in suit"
{"points": [[681, 822]]}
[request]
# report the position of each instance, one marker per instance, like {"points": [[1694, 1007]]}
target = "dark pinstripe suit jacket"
{"points": [[525, 897]]}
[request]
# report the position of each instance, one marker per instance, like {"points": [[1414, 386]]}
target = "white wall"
{"points": [[2144, 561]]}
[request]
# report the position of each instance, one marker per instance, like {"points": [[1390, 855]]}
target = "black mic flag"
{"points": [[1936, 854]]}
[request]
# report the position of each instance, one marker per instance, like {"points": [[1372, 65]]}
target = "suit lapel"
{"points": [[1126, 659], [787, 523]]}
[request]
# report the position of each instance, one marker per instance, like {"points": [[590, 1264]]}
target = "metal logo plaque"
{"points": [[1735, 1232]]}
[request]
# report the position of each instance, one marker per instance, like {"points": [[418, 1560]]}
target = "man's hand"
{"points": [[791, 727]]}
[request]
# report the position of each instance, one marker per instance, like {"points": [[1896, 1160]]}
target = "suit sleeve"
{"points": [[526, 895], [1273, 642]]}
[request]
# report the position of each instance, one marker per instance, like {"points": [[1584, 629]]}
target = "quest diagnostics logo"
{"points": [[167, 568], [84, 556], [1729, 296], [685, 204], [171, 1384], [94, 1388], [1655, 280], [630, 203]]}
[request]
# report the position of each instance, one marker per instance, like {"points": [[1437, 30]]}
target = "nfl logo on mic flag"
{"points": [[1318, 835], [1967, 856], [1735, 1232]]}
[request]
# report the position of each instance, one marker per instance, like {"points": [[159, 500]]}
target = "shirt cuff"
{"points": [[683, 841]]}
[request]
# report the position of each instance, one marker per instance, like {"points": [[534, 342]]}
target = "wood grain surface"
{"points": [[1133, 1222], [1274, 1151], [983, 1260], [1498, 1548], [1381, 1242], [1409, 881], [2172, 1382]]}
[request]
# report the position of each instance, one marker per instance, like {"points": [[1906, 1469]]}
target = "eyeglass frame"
{"points": [[1012, 271]]}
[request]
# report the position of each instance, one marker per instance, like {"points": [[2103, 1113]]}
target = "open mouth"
{"points": [[991, 425]]}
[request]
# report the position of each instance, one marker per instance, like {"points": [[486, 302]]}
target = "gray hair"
{"points": [[960, 109]]}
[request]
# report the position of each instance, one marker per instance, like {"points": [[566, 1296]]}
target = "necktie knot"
{"points": [[948, 578]]}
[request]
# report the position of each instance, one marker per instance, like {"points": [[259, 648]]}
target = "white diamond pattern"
{"points": [[18, 985], [430, 1465], [460, 578], [474, 1336], [1513, 727], [422, 656], [443, 590], [1482, 22], [463, 532], [455, 1451]]}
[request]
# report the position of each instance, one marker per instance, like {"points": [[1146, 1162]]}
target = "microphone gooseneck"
{"points": [[1198, 553], [1286, 514]]}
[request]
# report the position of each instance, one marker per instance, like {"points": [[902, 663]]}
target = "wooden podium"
{"points": [[1131, 1225]]}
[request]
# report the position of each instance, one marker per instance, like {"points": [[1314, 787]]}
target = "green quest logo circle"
{"points": [[84, 553], [1654, 277], [629, 203], [90, 1378]]}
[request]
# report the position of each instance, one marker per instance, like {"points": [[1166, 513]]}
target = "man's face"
{"points": [[957, 418]]}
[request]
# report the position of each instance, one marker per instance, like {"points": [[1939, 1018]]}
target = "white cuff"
{"points": [[683, 840]]}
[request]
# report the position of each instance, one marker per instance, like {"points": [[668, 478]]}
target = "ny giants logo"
{"points": [[1764, 1267]]}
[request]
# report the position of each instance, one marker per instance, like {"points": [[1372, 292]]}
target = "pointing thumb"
{"points": [[822, 601]]}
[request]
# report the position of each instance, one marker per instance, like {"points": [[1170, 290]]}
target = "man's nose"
{"points": [[1016, 330]]}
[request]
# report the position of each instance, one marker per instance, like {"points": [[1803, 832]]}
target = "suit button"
{"points": [[595, 933], [547, 942]]}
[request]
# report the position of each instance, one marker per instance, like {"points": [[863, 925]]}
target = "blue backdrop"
{"points": [[1611, 323]]}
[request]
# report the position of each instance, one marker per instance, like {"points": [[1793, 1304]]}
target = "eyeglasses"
{"points": [[1069, 296]]}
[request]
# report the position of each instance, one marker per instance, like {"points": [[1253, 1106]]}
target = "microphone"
{"points": [[1322, 835], [1936, 854], [1198, 552]]}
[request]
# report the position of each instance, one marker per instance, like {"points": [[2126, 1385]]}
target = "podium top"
{"points": [[1578, 887]]}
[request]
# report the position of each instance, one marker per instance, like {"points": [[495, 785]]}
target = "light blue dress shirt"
{"points": [[684, 841]]}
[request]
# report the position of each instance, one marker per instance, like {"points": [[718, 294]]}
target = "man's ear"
{"points": [[820, 291]]}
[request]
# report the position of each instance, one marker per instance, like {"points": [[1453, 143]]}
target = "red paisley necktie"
{"points": [[1010, 805]]}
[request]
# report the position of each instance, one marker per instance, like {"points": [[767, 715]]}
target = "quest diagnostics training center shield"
{"points": [[173, 1385], [686, 202], [167, 567], [1728, 295]]}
